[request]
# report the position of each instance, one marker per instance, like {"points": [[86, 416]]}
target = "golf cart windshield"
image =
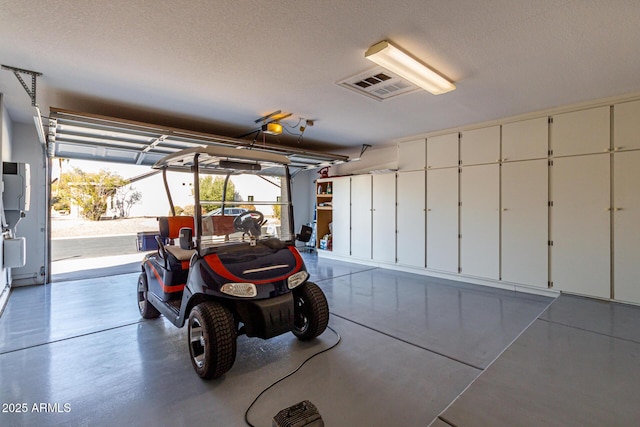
{"points": [[242, 195]]}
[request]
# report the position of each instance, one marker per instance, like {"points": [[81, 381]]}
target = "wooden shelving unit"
{"points": [[324, 213]]}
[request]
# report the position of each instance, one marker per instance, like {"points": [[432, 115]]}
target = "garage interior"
{"points": [[482, 268]]}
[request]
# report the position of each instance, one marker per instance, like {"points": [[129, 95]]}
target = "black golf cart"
{"points": [[232, 271]]}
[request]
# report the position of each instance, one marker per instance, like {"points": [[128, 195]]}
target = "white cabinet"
{"points": [[581, 132], [411, 219], [580, 261], [525, 140], [412, 155], [384, 218], [525, 224], [480, 221], [626, 225], [442, 151], [626, 125], [480, 146], [341, 216], [361, 216], [442, 220]]}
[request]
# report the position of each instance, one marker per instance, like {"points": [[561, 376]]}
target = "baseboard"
{"points": [[516, 287]]}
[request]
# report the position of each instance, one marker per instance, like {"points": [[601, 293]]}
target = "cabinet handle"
{"points": [[505, 159], [504, 209], [428, 210], [618, 148], [617, 209], [497, 160], [608, 209], [607, 150]]}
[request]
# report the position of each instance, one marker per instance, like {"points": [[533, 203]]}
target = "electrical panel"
{"points": [[17, 186]]}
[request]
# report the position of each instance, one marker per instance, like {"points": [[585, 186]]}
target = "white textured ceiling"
{"points": [[219, 65]]}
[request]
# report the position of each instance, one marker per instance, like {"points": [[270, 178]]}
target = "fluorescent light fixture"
{"points": [[37, 119], [272, 128], [395, 60]]}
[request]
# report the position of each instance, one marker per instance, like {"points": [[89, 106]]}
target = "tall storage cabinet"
{"points": [[580, 225], [384, 218], [626, 224], [442, 202], [525, 224], [361, 211], [480, 221], [341, 216], [411, 219], [442, 220], [626, 201]]}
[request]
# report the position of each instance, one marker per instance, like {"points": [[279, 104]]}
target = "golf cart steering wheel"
{"points": [[249, 222]]}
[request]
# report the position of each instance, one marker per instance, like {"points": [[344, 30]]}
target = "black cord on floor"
{"points": [[246, 413]]}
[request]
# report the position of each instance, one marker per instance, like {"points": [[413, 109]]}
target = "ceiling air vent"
{"points": [[378, 83]]}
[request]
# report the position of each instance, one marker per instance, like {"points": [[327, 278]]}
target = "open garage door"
{"points": [[75, 135], [83, 136]]}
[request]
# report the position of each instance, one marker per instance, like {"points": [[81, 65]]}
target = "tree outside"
{"points": [[92, 192], [277, 211], [211, 190], [124, 199]]}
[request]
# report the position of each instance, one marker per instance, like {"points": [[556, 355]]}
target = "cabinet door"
{"points": [[525, 222], [442, 220], [580, 219], [442, 151], [480, 146], [480, 221], [361, 216], [626, 226], [412, 155], [384, 217], [411, 219], [626, 125], [525, 140], [581, 132], [341, 216]]}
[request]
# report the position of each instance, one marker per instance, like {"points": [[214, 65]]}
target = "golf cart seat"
{"points": [[174, 259]]}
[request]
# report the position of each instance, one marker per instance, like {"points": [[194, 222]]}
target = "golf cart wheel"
{"points": [[212, 339], [311, 312], [147, 310]]}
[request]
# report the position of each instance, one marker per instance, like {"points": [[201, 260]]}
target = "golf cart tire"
{"points": [[212, 339], [147, 311], [311, 311]]}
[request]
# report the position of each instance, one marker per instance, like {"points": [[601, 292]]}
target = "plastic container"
{"points": [[147, 241]]}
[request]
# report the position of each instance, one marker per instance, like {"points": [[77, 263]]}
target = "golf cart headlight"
{"points": [[297, 279], [246, 290]]}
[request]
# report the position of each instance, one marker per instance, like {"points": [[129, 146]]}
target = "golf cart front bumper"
{"points": [[267, 318]]}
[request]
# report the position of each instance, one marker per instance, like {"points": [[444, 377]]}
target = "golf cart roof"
{"points": [[213, 159]]}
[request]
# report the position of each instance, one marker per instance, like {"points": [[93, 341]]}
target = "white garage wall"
{"points": [[302, 195], [5, 138], [25, 147]]}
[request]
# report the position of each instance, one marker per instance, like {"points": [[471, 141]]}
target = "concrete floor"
{"points": [[410, 346]]}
